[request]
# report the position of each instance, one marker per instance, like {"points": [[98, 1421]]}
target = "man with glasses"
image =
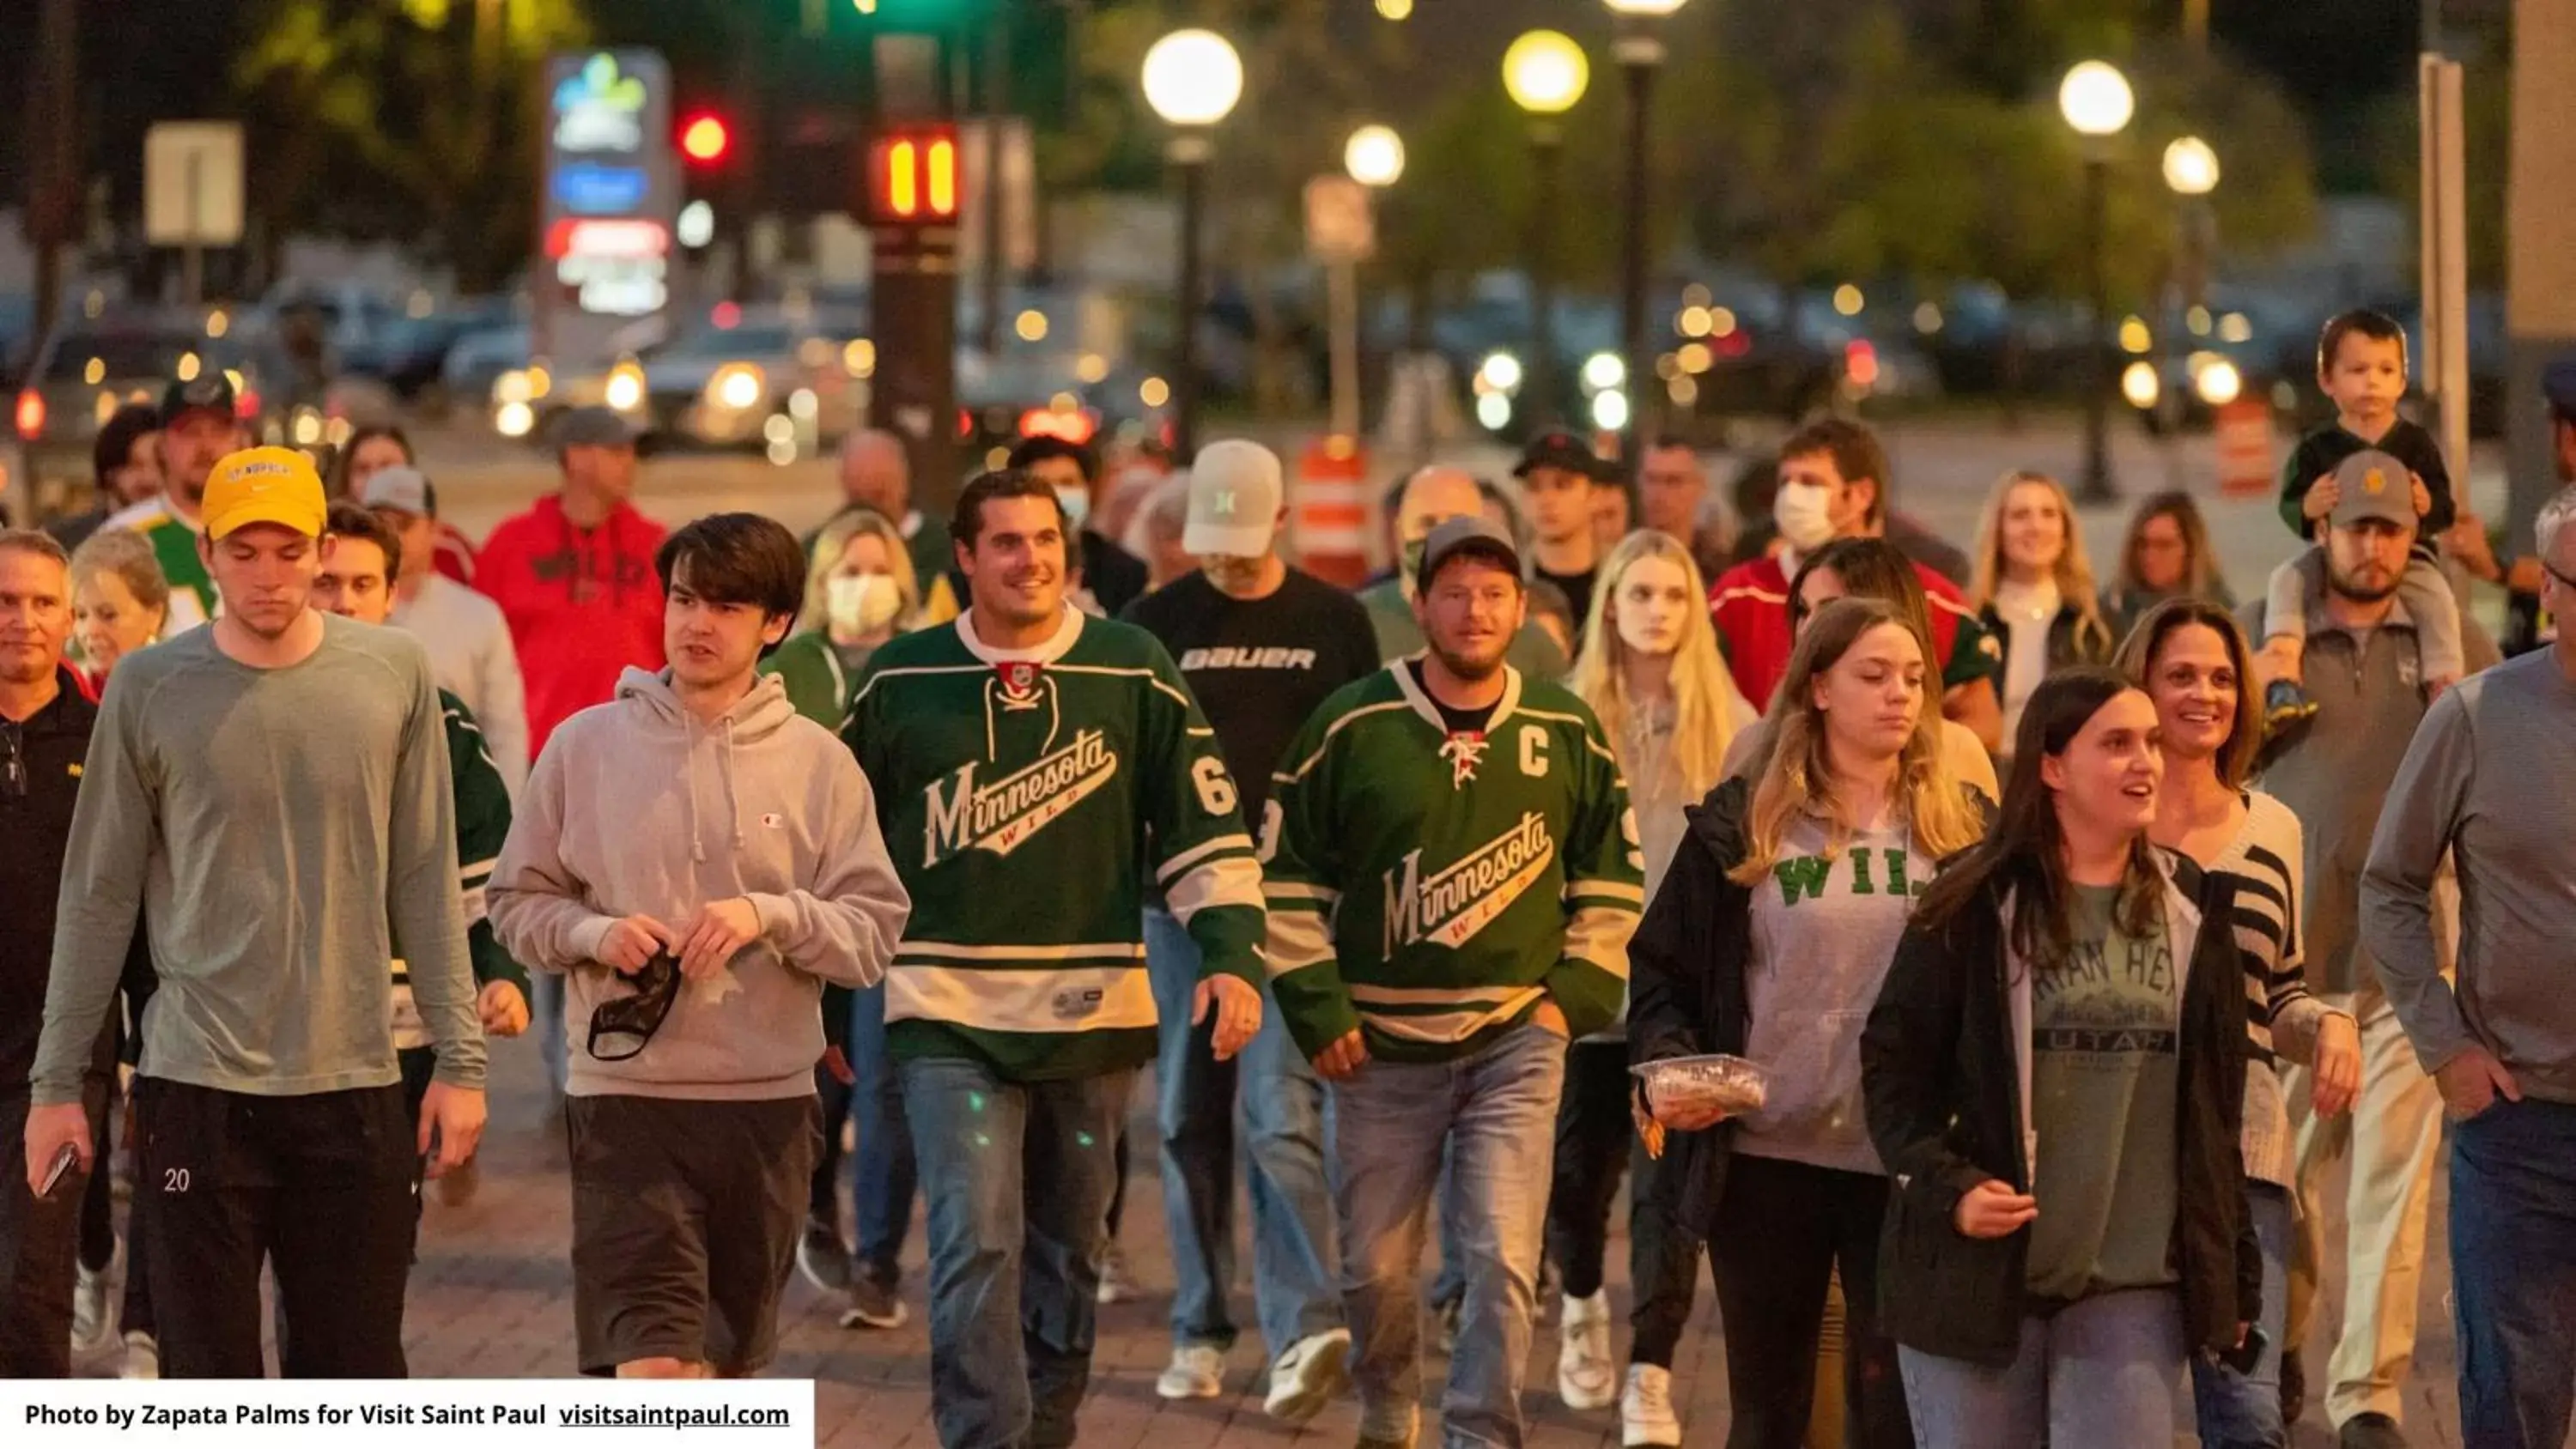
{"points": [[698, 860], [2490, 780], [268, 796]]}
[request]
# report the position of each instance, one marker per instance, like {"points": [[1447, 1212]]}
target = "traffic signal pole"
{"points": [[911, 207]]}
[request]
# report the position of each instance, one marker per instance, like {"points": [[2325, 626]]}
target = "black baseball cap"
{"points": [[208, 392], [2558, 384], [1561, 449]]}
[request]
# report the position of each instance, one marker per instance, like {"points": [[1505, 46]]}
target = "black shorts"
{"points": [[685, 1217]]}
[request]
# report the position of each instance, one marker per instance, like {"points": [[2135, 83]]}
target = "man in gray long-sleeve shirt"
{"points": [[269, 792], [2491, 778]]}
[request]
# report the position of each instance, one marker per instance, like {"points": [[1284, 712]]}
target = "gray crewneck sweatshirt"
{"points": [[636, 808]]}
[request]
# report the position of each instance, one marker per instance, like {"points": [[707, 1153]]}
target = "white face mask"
{"points": [[1805, 513], [1076, 503], [857, 605]]}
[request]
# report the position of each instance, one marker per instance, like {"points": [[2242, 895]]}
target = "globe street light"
{"points": [[1545, 74], [2191, 168], [1640, 52], [2097, 103], [1192, 80], [1374, 156]]}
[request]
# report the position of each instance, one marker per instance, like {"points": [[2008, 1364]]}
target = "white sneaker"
{"points": [[1197, 1372], [142, 1357], [1585, 1377], [1308, 1376], [1117, 1284], [93, 1310], [1646, 1417]]}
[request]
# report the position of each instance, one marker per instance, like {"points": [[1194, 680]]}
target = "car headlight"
{"points": [[510, 389], [2140, 385], [514, 420], [2218, 382], [625, 390], [737, 385]]}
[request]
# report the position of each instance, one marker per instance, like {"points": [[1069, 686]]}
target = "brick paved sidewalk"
{"points": [[492, 1298]]}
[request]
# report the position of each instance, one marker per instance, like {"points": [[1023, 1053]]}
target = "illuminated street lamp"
{"points": [[1374, 156], [2191, 173], [1192, 80], [2097, 103], [2191, 168], [1640, 52], [1545, 74]]}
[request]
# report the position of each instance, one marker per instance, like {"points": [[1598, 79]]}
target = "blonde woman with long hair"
{"points": [[860, 591], [1650, 670], [2034, 588], [1768, 940]]}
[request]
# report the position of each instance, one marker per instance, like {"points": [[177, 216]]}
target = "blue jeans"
{"points": [[2243, 1411], [1018, 1179], [1283, 1136], [1492, 1118], [882, 1175], [2099, 1374], [553, 1047], [2513, 1270]]}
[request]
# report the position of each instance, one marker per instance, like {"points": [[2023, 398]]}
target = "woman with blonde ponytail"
{"points": [[1768, 939]]}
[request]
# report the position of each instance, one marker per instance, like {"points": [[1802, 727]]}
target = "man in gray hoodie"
{"points": [[698, 860]]}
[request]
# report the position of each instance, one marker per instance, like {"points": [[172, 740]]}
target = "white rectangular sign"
{"points": [[485, 1413], [192, 184]]}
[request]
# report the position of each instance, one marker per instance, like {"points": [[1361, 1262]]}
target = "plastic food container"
{"points": [[1730, 1084]]}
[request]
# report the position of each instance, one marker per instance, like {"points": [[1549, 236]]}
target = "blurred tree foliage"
{"points": [[1807, 142], [418, 113]]}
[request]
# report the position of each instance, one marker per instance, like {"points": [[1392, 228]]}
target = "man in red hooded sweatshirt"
{"points": [[574, 576]]}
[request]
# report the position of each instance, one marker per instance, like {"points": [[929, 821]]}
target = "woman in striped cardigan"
{"points": [[2191, 659]]}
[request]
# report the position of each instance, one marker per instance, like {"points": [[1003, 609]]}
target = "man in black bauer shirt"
{"points": [[1262, 644], [44, 736]]}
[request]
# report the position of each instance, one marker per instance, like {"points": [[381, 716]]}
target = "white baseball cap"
{"points": [[1235, 492]]}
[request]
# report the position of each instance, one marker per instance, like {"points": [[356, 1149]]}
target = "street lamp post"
{"points": [[2191, 173], [1192, 80], [1640, 53], [2097, 103], [1374, 157], [1545, 73]]}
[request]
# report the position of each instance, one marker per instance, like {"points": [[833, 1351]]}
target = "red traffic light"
{"points": [[912, 175], [705, 138]]}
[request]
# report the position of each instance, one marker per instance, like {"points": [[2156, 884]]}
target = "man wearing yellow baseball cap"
{"points": [[268, 793]]}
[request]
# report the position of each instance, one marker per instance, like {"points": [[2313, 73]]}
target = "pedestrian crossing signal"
{"points": [[912, 176]]}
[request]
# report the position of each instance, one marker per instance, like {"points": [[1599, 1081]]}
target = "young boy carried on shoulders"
{"points": [[2361, 365]]}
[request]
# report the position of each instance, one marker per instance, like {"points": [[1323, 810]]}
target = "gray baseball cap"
{"points": [[400, 490], [1235, 492], [594, 427], [1472, 533], [2375, 486]]}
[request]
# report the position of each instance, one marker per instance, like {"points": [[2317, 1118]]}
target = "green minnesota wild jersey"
{"points": [[1025, 795], [482, 824], [1430, 889]]}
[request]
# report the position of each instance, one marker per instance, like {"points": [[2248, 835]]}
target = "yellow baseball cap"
{"points": [[265, 485]]}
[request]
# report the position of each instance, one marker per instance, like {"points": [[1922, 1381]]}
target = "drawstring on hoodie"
{"points": [[725, 775]]}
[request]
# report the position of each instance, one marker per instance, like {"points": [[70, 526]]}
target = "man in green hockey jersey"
{"points": [[1452, 875], [1032, 763]]}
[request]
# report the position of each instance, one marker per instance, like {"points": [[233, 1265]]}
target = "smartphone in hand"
{"points": [[64, 1162]]}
